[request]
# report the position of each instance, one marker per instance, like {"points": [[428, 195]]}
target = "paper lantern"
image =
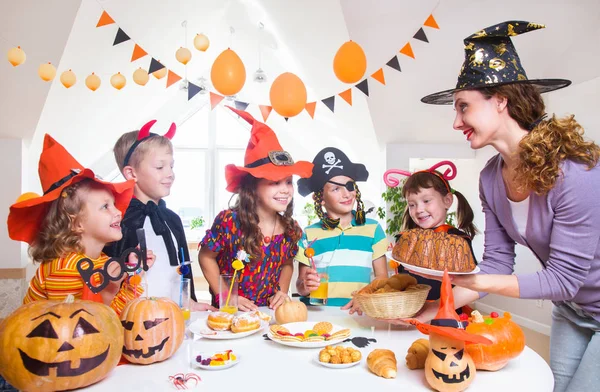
{"points": [[183, 55], [92, 82], [47, 72], [140, 76], [288, 95], [350, 62], [228, 73], [201, 42], [16, 56], [68, 78], [161, 73], [118, 81]]}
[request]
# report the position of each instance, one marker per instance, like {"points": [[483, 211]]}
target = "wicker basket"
{"points": [[401, 304]]}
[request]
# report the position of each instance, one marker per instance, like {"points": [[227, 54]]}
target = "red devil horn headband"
{"points": [[144, 134], [447, 175]]}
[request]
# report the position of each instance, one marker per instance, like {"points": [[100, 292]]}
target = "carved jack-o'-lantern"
{"points": [[448, 366], [154, 329], [52, 345]]}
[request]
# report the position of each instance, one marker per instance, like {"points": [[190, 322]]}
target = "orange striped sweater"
{"points": [[56, 279]]}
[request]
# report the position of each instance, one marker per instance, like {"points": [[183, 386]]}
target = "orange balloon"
{"points": [[228, 73], [183, 55], [92, 82], [16, 56], [350, 62], [118, 81], [47, 72], [68, 78], [201, 42], [140, 76], [160, 73], [288, 95], [26, 196]]}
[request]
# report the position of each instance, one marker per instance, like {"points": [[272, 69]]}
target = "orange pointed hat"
{"points": [[446, 322], [265, 158], [57, 170]]}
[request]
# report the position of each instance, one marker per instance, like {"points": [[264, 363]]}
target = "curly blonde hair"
{"points": [[57, 235], [548, 143]]}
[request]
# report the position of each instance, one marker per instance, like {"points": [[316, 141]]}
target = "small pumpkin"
{"points": [[59, 345], [448, 367], [290, 312], [154, 329], [508, 340]]}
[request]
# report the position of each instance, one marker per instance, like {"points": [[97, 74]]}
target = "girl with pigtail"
{"points": [[351, 245]]}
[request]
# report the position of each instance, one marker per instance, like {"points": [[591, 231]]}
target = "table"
{"points": [[266, 365]]}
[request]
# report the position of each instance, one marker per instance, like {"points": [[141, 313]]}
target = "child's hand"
{"points": [[277, 299], [245, 305], [200, 307], [150, 258], [354, 308], [311, 280]]}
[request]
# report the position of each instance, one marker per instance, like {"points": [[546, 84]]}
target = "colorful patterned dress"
{"points": [[259, 279]]}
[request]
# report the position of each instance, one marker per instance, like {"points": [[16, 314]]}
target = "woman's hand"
{"points": [[354, 308], [245, 305], [278, 299]]}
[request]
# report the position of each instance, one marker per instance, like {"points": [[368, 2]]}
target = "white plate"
{"points": [[427, 271], [207, 367], [337, 366], [302, 326], [200, 327]]}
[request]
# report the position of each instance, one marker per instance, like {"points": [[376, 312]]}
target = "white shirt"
{"points": [[520, 212]]}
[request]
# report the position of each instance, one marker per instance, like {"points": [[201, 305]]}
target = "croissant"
{"points": [[383, 363], [417, 353]]}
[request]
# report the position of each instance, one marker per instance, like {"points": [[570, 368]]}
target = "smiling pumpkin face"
{"points": [[154, 329], [448, 367], [52, 345]]}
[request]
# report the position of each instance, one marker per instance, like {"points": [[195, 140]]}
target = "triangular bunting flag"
{"points": [[430, 22], [105, 19], [172, 77], [378, 75], [394, 63], [363, 87], [329, 102], [239, 105], [310, 108], [120, 37], [265, 111], [138, 52], [286, 119], [215, 99], [192, 90], [420, 35], [155, 66], [407, 50], [347, 96]]}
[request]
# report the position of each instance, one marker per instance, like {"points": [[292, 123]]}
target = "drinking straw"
{"points": [[230, 288], [181, 285]]}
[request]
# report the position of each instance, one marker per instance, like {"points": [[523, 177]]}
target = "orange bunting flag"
{"points": [[105, 19], [138, 52], [378, 75], [310, 109], [215, 99], [430, 22], [265, 111], [172, 77], [407, 50], [347, 95]]}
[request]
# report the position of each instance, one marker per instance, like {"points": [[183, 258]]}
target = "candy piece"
{"points": [[309, 252], [237, 265], [489, 321], [199, 358], [184, 269], [463, 317], [308, 332], [135, 280], [494, 315]]}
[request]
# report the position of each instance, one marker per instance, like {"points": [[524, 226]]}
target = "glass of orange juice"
{"points": [[183, 298], [319, 296], [227, 283]]}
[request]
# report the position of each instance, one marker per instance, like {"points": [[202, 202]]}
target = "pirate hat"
{"points": [[492, 60], [446, 322], [265, 158], [328, 163], [58, 170]]}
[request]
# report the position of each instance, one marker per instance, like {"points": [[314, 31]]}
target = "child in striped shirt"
{"points": [[352, 246]]}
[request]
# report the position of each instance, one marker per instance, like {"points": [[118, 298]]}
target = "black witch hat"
{"points": [[492, 60]]}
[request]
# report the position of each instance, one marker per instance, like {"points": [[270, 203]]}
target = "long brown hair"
{"points": [[548, 143], [57, 235], [421, 180], [246, 207]]}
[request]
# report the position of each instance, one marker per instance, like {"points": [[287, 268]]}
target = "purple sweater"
{"points": [[561, 231]]}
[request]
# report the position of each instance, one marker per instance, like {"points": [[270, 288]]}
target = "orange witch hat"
{"points": [[446, 322]]}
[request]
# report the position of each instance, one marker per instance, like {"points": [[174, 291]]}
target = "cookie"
{"points": [[323, 327], [275, 328], [341, 334]]}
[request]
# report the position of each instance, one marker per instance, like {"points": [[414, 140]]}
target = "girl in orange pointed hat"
{"points": [[260, 223], [75, 218]]}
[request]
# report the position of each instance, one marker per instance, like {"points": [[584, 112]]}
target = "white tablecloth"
{"points": [[266, 365]]}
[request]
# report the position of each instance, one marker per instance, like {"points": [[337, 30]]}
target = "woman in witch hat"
{"points": [[540, 191]]}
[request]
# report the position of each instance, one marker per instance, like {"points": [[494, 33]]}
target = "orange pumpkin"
{"points": [[154, 329], [507, 337], [55, 345], [291, 312], [448, 366]]}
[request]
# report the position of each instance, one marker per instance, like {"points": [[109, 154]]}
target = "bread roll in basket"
{"points": [[396, 297]]}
